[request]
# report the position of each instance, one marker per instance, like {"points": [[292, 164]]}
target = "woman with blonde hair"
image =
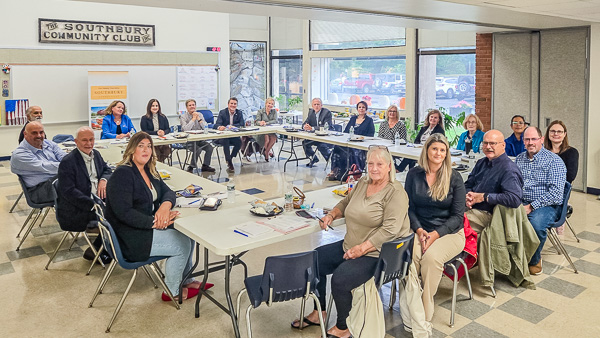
{"points": [[138, 206], [472, 137], [116, 123], [265, 117], [436, 195]]}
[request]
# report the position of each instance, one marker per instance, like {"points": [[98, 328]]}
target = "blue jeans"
{"points": [[178, 247], [541, 219]]}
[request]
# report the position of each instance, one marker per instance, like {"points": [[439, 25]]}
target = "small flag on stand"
{"points": [[16, 111]]}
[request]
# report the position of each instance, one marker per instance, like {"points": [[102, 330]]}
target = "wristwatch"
{"points": [[485, 197]]}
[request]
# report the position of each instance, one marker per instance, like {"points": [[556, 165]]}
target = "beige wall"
{"points": [[593, 136]]}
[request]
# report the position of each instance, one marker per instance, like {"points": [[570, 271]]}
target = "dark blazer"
{"points": [[130, 210], [223, 118], [367, 128], [147, 125], [437, 130], [74, 203], [324, 116]]}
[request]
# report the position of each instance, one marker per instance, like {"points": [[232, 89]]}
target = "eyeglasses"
{"points": [[493, 144], [557, 132], [533, 139], [378, 146], [392, 111], [518, 123], [471, 122]]}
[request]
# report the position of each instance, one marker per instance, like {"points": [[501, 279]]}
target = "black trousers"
{"points": [[346, 275], [324, 148], [43, 192], [236, 142]]}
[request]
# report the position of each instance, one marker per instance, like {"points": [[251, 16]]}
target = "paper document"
{"points": [[286, 224], [252, 229], [183, 202]]}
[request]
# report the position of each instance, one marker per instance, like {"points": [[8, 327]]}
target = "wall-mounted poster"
{"points": [[248, 74]]}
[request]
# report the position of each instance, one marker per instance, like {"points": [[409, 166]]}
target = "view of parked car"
{"points": [[385, 83], [364, 83], [465, 86], [445, 87]]}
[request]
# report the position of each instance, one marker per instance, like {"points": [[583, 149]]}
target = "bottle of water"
{"points": [[205, 126], [231, 191], [397, 139], [326, 126], [289, 201], [351, 133]]}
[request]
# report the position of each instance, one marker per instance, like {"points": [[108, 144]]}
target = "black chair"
{"points": [[392, 265], [337, 128], [36, 208], [16, 202], [569, 213], [74, 234], [111, 244], [552, 235], [451, 267], [284, 278]]}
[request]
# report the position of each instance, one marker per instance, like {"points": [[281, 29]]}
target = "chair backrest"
{"points": [[60, 138], [565, 206], [337, 127], [288, 277], [394, 259], [110, 241], [208, 116], [28, 198]]}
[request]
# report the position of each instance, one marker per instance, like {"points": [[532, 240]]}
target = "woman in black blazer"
{"points": [[434, 124], [156, 123], [138, 206]]}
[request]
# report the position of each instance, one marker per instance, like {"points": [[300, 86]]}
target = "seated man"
{"points": [[81, 173], [317, 117], [545, 175], [33, 113], [193, 120], [230, 116], [514, 143], [494, 180], [36, 161]]}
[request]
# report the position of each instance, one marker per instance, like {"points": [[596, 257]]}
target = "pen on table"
{"points": [[198, 200], [239, 232], [313, 205], [329, 226]]}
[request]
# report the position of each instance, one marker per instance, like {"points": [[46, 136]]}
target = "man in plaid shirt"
{"points": [[544, 175]]}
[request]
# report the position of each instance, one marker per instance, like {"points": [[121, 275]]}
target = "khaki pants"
{"points": [[431, 264], [479, 219]]}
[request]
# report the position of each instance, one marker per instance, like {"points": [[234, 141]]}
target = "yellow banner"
{"points": [[109, 92]]}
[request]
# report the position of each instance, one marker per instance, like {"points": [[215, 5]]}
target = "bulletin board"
{"points": [[200, 83]]}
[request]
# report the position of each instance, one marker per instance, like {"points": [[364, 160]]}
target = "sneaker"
{"points": [[536, 269], [208, 168]]}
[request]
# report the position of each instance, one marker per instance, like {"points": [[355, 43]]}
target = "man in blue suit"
{"points": [[230, 117], [317, 117]]}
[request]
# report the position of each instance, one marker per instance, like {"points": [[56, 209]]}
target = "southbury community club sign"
{"points": [[88, 32]]}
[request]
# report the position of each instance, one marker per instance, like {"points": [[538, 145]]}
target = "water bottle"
{"points": [[289, 201], [205, 126], [351, 183], [326, 126], [231, 191], [351, 133], [397, 139]]}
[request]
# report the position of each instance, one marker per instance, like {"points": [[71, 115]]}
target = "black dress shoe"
{"points": [[208, 168], [88, 254], [190, 169], [312, 162]]}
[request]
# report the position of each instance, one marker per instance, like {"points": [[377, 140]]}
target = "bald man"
{"points": [[495, 179], [81, 173], [36, 161], [33, 113]]}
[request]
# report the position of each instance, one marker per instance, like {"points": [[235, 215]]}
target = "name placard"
{"points": [[89, 32]]}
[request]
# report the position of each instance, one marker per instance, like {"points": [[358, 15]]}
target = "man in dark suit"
{"points": [[81, 173], [230, 116], [317, 117]]}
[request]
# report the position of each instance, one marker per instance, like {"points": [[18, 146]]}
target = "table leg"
{"points": [[232, 313], [204, 279], [190, 272]]}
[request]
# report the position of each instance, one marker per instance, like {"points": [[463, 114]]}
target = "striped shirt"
{"points": [[390, 133], [544, 178]]}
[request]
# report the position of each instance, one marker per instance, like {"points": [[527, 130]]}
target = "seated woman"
{"points": [[363, 125], [436, 194], [434, 124], [392, 126], [376, 212], [138, 206], [265, 117], [116, 123], [471, 139], [156, 123], [557, 141]]}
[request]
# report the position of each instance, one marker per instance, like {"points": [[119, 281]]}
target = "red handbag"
{"points": [[354, 172]]}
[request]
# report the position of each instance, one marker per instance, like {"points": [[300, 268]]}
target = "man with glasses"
{"points": [[545, 175], [494, 180], [514, 143]]}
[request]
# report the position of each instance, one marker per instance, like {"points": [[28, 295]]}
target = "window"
{"points": [[286, 77], [380, 81], [446, 81], [341, 35]]}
